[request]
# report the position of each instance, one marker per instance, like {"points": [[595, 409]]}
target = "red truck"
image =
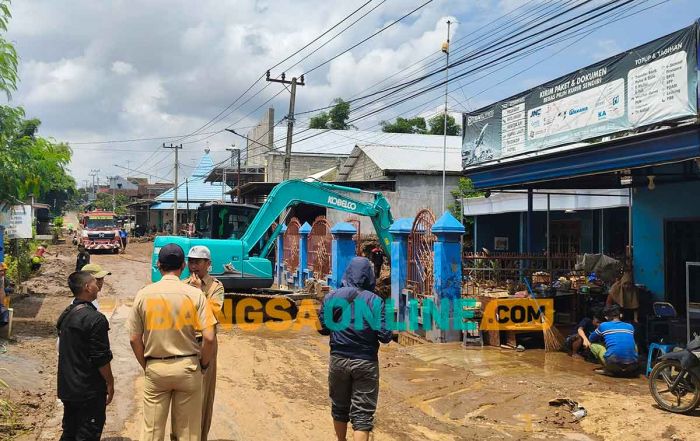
{"points": [[100, 231]]}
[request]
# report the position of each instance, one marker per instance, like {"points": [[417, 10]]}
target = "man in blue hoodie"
{"points": [[613, 344], [353, 373]]}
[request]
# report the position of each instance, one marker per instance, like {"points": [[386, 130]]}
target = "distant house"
{"points": [[191, 192], [415, 172]]}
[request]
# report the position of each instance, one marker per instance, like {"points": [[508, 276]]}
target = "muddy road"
{"points": [[272, 385]]}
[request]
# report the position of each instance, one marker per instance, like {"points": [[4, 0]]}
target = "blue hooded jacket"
{"points": [[357, 342]]}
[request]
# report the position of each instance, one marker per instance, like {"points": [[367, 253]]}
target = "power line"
{"points": [[368, 38]]}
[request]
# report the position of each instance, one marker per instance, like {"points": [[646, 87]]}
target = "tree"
{"points": [[319, 121], [404, 125], [335, 119], [104, 202], [465, 189], [437, 125], [30, 164], [8, 54]]}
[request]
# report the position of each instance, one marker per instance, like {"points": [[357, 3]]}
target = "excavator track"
{"points": [[264, 295]]}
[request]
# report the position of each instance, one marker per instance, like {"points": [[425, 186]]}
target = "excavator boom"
{"points": [[232, 262]]}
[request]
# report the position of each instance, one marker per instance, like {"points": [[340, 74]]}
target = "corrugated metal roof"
{"points": [[406, 158], [195, 189], [342, 142], [170, 205]]}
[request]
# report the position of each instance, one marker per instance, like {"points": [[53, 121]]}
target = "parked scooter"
{"points": [[675, 380]]}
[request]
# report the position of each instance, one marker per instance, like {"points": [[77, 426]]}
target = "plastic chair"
{"points": [[659, 349]]}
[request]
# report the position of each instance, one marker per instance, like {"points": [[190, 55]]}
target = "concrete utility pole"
{"points": [[446, 50], [237, 151], [290, 117], [113, 184], [94, 173], [177, 166]]}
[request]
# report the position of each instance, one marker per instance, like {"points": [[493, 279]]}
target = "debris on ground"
{"points": [[575, 408]]}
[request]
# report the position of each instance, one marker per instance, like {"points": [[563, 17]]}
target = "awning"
{"points": [[180, 206], [517, 202], [646, 149]]}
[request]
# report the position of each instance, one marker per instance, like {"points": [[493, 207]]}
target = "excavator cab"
{"points": [[224, 221]]}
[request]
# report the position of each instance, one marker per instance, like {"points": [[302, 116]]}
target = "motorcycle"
{"points": [[675, 380]]}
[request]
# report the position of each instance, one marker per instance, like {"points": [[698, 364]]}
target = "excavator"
{"points": [[241, 263]]}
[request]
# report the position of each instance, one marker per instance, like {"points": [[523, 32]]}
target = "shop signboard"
{"points": [[652, 83]]}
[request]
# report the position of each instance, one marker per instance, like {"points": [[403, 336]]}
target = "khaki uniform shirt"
{"points": [[168, 313], [214, 292]]}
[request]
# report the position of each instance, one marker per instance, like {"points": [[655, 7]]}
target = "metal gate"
{"points": [[319, 253], [420, 274], [291, 245]]}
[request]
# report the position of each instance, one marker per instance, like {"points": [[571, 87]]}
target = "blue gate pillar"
{"points": [[399, 264], [447, 265], [279, 262], [342, 251], [303, 270]]}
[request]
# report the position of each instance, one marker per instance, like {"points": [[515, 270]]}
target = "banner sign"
{"points": [[18, 222], [652, 83], [100, 217]]}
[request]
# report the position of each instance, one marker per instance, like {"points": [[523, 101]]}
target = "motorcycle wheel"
{"points": [[684, 398]]}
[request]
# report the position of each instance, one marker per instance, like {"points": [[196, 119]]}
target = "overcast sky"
{"points": [[117, 69]]}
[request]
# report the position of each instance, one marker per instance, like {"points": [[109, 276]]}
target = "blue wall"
{"points": [[650, 210], [508, 225]]}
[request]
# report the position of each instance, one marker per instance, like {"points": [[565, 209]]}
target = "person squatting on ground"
{"points": [[353, 373], [618, 351], [577, 343], [199, 262], [164, 320], [85, 382]]}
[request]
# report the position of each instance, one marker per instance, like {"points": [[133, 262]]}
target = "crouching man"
{"points": [[618, 351], [353, 373]]}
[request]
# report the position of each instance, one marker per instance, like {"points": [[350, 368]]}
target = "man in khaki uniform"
{"points": [[198, 262], [163, 322]]}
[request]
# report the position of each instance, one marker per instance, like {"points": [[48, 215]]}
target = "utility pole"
{"points": [[113, 184], [237, 151], [176, 148], [290, 117], [94, 173], [446, 50]]}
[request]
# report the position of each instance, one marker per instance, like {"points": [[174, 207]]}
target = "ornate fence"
{"points": [[291, 245], [319, 248], [420, 275]]}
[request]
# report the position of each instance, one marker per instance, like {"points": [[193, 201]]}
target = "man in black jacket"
{"points": [[353, 374], [85, 382]]}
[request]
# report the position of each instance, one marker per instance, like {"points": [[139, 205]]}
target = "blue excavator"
{"points": [[241, 263]]}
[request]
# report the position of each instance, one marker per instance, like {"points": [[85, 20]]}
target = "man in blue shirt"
{"points": [[618, 352]]}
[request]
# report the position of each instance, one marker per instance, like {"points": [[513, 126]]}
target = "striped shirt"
{"points": [[619, 341]]}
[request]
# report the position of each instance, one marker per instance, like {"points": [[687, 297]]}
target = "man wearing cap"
{"points": [[198, 262], [163, 322], [99, 274]]}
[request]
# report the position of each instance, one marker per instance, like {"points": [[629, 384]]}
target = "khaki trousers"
{"points": [[174, 385], [208, 389]]}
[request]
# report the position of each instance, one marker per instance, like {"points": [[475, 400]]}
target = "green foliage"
{"points": [[335, 119], [19, 266], [30, 164], [465, 189], [319, 121], [104, 202], [437, 125], [58, 222], [405, 125], [8, 54]]}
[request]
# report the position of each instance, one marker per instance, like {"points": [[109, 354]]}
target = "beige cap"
{"points": [[96, 270]]}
